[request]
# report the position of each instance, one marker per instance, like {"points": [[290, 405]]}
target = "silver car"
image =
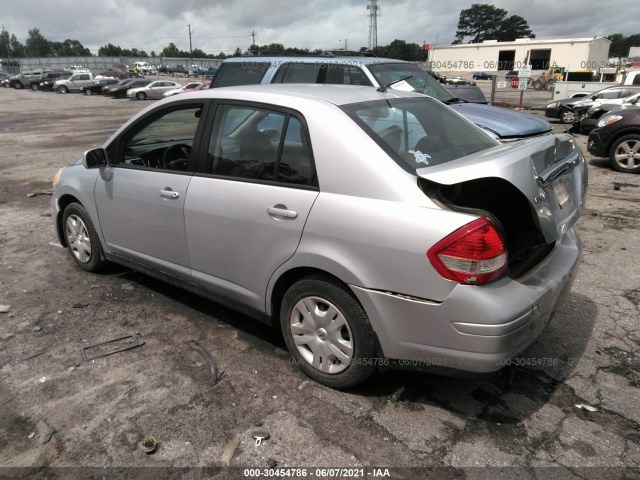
{"points": [[154, 90], [378, 228]]}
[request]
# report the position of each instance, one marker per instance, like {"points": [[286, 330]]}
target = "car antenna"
{"points": [[384, 88]]}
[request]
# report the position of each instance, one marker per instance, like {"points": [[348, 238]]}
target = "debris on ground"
{"points": [[260, 435], [148, 445], [588, 408], [229, 450], [31, 435], [48, 435], [303, 384], [395, 396], [213, 367], [40, 192], [80, 305], [133, 342], [272, 463], [42, 379], [4, 308]]}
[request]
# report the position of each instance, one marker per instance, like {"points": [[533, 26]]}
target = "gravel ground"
{"points": [[568, 410]]}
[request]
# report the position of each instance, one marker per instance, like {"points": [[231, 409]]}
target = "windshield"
{"points": [[420, 81], [418, 132]]}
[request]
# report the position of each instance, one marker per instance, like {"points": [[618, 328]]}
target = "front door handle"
{"points": [[168, 193], [280, 210]]}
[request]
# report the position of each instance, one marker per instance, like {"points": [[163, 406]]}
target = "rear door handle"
{"points": [[168, 193], [280, 210]]}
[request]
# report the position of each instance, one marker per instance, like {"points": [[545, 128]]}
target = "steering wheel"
{"points": [[176, 157]]}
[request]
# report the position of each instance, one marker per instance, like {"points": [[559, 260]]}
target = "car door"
{"points": [[140, 198], [158, 88], [249, 200]]}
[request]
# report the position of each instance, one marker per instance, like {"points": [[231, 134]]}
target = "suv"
{"points": [[563, 109], [381, 73], [24, 79]]}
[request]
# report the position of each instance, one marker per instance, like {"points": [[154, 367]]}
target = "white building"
{"points": [[573, 54]]}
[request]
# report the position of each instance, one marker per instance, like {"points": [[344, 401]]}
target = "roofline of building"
{"points": [[522, 41]]}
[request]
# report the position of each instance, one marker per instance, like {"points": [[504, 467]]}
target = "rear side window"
{"points": [[418, 132], [240, 73], [259, 144], [321, 72]]}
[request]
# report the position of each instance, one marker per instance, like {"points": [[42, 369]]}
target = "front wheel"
{"points": [[328, 333], [34, 87], [625, 154], [63, 89], [88, 92], [567, 116], [141, 95], [82, 239]]}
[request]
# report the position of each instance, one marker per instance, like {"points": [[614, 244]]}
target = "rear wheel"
{"points": [[625, 154], [327, 332], [17, 86], [82, 240], [567, 116], [141, 95], [34, 87]]}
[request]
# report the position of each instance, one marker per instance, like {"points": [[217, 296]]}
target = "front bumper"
{"points": [[477, 328], [596, 146]]}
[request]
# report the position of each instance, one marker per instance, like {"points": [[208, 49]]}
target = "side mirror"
{"points": [[95, 158]]}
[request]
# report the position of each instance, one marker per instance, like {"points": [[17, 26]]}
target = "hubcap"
{"points": [[568, 117], [322, 335], [628, 154], [78, 238]]}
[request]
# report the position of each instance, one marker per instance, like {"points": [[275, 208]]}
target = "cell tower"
{"points": [[373, 8]]}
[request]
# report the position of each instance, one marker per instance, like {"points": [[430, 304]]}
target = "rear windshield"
{"points": [[419, 132], [415, 79], [231, 74]]}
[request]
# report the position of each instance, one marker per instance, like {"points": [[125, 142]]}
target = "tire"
{"points": [[88, 92], [63, 89], [625, 154], [141, 96], [18, 86], [341, 349], [82, 240], [567, 116], [34, 87]]}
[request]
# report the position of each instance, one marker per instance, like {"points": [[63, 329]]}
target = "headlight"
{"points": [[56, 177], [553, 105], [608, 120]]}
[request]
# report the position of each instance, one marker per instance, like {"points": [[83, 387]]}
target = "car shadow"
{"points": [[537, 374], [603, 163]]}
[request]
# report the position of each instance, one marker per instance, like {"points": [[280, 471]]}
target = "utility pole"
{"points": [[373, 8], [253, 36], [190, 49]]}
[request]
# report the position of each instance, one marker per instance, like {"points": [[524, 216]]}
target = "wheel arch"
{"points": [[64, 201]]}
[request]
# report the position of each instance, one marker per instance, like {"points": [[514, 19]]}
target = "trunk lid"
{"points": [[550, 172]]}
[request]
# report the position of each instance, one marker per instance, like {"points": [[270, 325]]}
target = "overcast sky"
{"points": [[221, 25]]}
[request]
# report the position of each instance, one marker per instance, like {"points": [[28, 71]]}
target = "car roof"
{"points": [[355, 60], [277, 93]]}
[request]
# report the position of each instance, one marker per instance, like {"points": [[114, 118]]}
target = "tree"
{"points": [[69, 48], [171, 51], [37, 45], [17, 48], [486, 22], [404, 51]]}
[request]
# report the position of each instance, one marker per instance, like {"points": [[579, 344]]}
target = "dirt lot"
{"points": [[97, 412]]}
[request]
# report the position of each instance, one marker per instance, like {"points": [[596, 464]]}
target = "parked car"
{"points": [[482, 76], [511, 74], [74, 83], [182, 89], [458, 81], [564, 109], [357, 220], [589, 113], [617, 136], [24, 79], [115, 73], [121, 88], [439, 77], [209, 72], [382, 73], [152, 90], [3, 76], [48, 81], [98, 86]]}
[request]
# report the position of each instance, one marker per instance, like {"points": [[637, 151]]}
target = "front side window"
{"points": [[254, 143], [418, 132], [165, 142]]}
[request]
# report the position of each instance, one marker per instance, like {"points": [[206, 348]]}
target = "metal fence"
{"points": [[511, 91]]}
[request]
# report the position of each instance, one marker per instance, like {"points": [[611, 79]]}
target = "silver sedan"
{"points": [[376, 228], [153, 90]]}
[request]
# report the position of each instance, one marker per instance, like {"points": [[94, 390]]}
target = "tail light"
{"points": [[474, 254]]}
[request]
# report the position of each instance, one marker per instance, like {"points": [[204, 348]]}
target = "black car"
{"points": [[98, 86], [119, 90], [46, 83], [563, 109], [617, 136]]}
